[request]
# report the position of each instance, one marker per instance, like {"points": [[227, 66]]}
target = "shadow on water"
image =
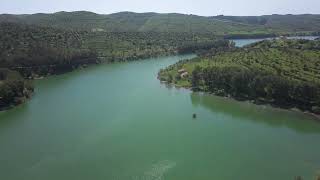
{"points": [[264, 114], [19, 111], [99, 70], [57, 81]]}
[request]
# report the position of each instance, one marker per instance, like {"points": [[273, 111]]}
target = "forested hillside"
{"points": [[173, 22], [43, 50], [281, 72], [14, 89], [38, 51], [281, 23], [31, 49], [122, 46], [43, 44]]}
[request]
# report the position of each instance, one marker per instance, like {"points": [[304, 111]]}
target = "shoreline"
{"points": [[21, 101], [74, 68], [293, 109]]}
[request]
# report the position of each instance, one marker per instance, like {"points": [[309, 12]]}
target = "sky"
{"points": [[198, 7]]}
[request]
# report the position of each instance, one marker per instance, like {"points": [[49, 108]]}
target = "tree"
{"points": [[196, 77]]}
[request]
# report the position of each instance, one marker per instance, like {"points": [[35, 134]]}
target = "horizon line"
{"points": [[190, 14]]}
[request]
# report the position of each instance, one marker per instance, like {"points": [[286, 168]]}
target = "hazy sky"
{"points": [[199, 7]]}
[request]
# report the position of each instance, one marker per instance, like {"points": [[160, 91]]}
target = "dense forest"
{"points": [[36, 51], [281, 72], [43, 44], [14, 89], [123, 46], [39, 51], [234, 26], [279, 23], [42, 50], [27, 52]]}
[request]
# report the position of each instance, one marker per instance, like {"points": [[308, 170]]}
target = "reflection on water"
{"points": [[19, 111], [257, 113], [117, 122]]}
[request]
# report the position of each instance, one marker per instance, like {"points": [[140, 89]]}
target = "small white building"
{"points": [[181, 71], [184, 75]]}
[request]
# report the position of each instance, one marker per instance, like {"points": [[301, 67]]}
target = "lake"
{"points": [[243, 42], [118, 122]]}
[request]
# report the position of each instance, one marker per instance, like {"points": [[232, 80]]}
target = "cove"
{"points": [[118, 122]]}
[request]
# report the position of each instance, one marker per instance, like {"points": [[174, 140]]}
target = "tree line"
{"points": [[35, 51], [281, 72], [14, 89], [35, 47], [260, 86]]}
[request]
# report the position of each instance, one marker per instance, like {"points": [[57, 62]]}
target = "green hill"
{"points": [[172, 22], [14, 89], [282, 72], [42, 44], [279, 23], [38, 51], [42, 50]]}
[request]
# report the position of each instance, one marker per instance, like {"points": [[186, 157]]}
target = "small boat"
{"points": [[194, 115]]}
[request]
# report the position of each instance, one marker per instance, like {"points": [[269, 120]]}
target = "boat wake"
{"points": [[158, 170]]}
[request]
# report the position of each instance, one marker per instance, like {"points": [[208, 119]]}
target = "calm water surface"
{"points": [[243, 42], [118, 122]]}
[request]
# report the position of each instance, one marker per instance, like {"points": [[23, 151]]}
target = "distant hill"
{"points": [[36, 50], [172, 22], [283, 23]]}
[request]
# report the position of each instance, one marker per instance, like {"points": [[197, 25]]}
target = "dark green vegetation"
{"points": [[283, 72], [13, 88], [43, 44], [232, 26], [94, 123], [280, 23], [115, 121], [43, 50], [123, 46], [37, 51]]}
